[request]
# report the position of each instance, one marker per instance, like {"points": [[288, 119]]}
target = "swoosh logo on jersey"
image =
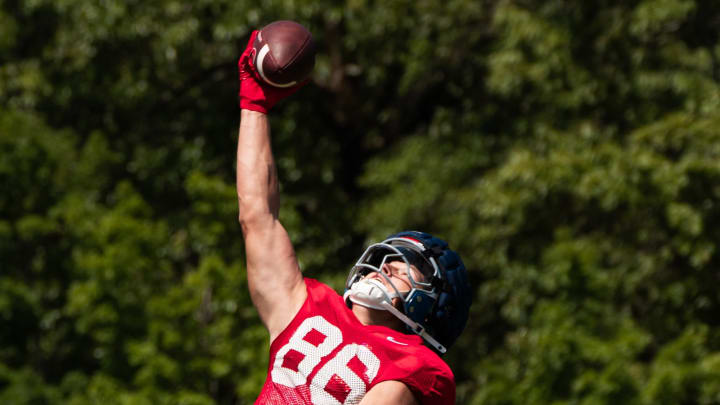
{"points": [[392, 339]]}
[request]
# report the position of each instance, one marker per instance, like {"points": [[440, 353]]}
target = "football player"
{"points": [[405, 302]]}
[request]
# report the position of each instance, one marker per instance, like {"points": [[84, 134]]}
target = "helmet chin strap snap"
{"points": [[373, 294]]}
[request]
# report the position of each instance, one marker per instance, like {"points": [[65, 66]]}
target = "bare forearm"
{"points": [[257, 185]]}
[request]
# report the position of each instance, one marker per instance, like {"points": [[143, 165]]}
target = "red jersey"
{"points": [[326, 356]]}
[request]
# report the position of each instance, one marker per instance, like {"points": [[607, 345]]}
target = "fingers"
{"points": [[245, 67]]}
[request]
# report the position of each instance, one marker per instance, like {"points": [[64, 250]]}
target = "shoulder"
{"points": [[319, 289], [428, 376], [442, 390], [434, 383], [323, 302], [322, 296], [434, 368]]}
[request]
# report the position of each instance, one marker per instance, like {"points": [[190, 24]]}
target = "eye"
{"points": [[399, 268], [417, 276]]}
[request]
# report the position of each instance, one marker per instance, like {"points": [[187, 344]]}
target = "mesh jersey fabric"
{"points": [[325, 356]]}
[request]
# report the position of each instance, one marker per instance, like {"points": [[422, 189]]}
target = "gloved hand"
{"points": [[254, 93]]}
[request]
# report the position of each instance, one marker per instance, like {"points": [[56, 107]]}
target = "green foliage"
{"points": [[568, 150]]}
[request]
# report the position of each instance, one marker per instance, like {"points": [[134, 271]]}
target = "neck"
{"points": [[370, 316]]}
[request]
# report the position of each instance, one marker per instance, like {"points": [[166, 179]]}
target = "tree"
{"points": [[567, 150]]}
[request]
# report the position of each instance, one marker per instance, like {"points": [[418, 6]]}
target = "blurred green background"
{"points": [[569, 150]]}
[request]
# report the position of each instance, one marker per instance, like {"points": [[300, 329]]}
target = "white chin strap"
{"points": [[373, 294]]}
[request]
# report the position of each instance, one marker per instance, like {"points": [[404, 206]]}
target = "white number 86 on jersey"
{"points": [[335, 371]]}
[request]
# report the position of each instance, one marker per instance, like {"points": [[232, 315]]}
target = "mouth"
{"points": [[377, 277], [390, 285]]}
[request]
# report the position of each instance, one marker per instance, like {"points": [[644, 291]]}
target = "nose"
{"points": [[387, 269]]}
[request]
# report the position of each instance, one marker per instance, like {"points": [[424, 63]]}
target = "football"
{"points": [[284, 53]]}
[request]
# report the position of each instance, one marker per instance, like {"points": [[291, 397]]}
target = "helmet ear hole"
{"points": [[419, 306]]}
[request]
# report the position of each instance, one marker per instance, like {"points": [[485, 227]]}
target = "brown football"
{"points": [[284, 53]]}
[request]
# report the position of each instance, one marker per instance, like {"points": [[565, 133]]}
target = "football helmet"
{"points": [[437, 305]]}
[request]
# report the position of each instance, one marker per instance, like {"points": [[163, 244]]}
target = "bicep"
{"points": [[274, 278], [389, 393]]}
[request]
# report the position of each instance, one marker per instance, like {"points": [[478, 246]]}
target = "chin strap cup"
{"points": [[370, 294], [416, 327]]}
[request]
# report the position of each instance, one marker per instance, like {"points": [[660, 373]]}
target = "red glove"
{"points": [[255, 94]]}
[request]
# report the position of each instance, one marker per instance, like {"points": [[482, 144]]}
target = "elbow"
{"points": [[253, 214], [249, 223], [246, 225], [255, 224], [248, 212]]}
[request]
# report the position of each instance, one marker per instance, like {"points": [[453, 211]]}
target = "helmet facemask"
{"points": [[416, 303]]}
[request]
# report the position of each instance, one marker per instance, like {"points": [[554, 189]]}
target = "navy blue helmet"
{"points": [[438, 304]]}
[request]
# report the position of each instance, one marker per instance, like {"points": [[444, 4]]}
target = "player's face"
{"points": [[397, 271]]}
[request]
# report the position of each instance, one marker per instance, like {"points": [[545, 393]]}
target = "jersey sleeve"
{"points": [[442, 392], [419, 368], [319, 299], [433, 385]]}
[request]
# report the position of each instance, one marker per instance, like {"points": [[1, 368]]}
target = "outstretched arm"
{"points": [[277, 288], [276, 285]]}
